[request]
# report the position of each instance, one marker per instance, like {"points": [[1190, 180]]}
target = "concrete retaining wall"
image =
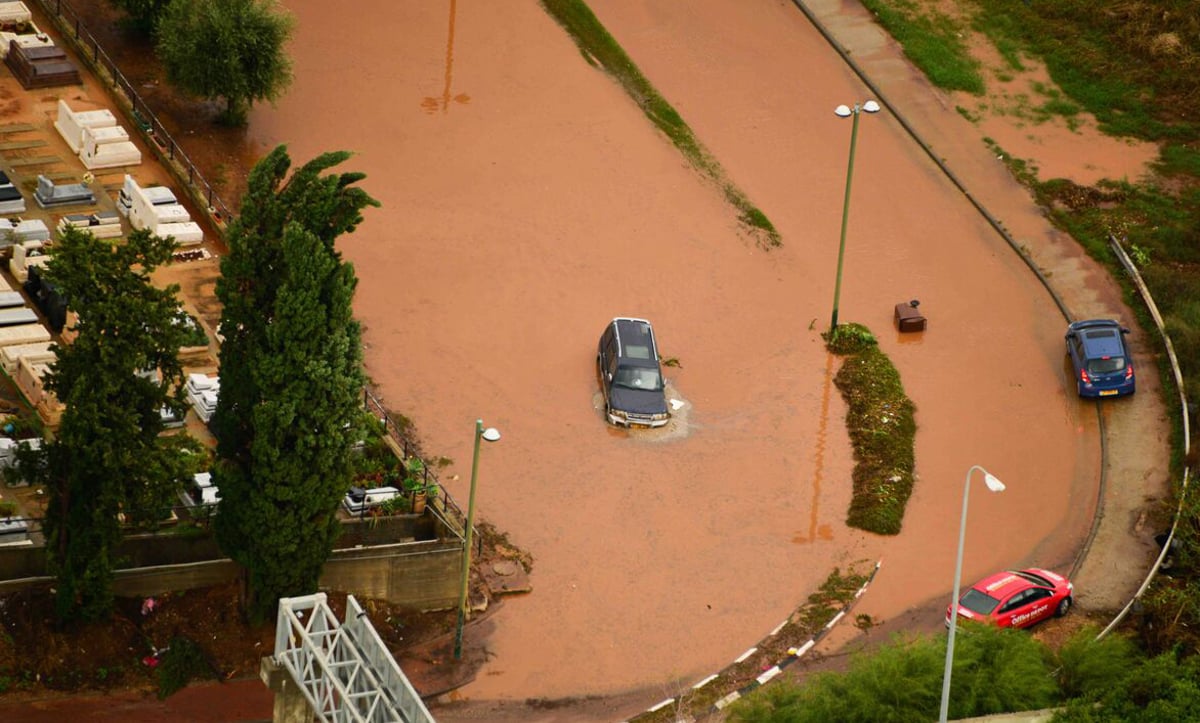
{"points": [[395, 559]]}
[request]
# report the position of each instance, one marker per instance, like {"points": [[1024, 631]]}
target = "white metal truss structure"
{"points": [[345, 671]]}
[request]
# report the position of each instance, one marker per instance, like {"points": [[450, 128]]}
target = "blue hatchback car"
{"points": [[1100, 358]]}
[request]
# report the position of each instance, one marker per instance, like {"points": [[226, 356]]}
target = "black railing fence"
{"points": [[139, 114]]}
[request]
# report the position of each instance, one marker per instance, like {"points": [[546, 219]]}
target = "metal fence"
{"points": [[442, 505], [144, 120]]}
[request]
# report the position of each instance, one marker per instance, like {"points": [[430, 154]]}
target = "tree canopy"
{"points": [[142, 15], [232, 50], [291, 375], [114, 379]]}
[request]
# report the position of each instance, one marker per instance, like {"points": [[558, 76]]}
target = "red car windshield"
{"points": [[978, 602]]}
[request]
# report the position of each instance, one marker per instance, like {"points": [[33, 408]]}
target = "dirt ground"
{"points": [[526, 201]]}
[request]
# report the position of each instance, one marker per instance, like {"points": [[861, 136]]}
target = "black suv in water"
{"points": [[630, 376]]}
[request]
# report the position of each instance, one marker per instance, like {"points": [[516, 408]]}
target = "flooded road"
{"points": [[527, 200]]}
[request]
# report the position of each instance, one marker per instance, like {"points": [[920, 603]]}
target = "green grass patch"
{"points": [[1113, 63], [601, 50], [1179, 159], [933, 41], [879, 419]]}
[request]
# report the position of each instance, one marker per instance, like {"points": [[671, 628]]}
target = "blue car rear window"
{"points": [[1107, 365]]}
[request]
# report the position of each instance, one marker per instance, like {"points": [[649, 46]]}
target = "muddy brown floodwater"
{"points": [[527, 200]]}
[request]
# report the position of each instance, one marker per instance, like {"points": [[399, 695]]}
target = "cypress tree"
{"points": [[291, 376]]}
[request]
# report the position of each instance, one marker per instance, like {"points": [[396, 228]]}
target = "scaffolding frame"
{"points": [[345, 671]]}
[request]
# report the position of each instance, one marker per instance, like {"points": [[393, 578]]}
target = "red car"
{"points": [[1015, 598]]}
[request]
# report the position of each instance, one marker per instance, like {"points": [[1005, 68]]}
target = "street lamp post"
{"points": [[491, 434], [994, 485], [845, 112]]}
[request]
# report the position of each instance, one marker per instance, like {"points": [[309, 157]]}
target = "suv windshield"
{"points": [[646, 378]]}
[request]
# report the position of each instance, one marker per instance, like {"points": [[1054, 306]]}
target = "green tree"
{"points": [[226, 49], [291, 375], [114, 379], [142, 15]]}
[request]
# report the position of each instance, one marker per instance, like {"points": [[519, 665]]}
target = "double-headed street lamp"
{"points": [[994, 485], [845, 111], [491, 434]]}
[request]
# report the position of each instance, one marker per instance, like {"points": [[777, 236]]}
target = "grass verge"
{"points": [[879, 419], [601, 50], [834, 596], [933, 41]]}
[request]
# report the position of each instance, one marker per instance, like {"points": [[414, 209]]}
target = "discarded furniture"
{"points": [[908, 318], [49, 195]]}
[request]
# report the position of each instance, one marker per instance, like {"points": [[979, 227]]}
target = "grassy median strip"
{"points": [[601, 50], [879, 419]]}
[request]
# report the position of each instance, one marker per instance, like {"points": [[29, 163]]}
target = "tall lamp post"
{"points": [[994, 485], [846, 112], [490, 434]]}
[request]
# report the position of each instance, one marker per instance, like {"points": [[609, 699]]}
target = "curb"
{"points": [[794, 654]]}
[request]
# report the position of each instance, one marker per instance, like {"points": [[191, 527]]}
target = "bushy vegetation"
{"points": [[182, 662], [995, 671], [879, 419]]}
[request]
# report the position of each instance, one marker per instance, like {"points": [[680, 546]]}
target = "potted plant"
{"points": [[414, 483]]}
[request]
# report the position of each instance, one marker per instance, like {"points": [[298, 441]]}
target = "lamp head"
{"points": [[992, 483], [871, 106], [491, 434], [843, 111]]}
